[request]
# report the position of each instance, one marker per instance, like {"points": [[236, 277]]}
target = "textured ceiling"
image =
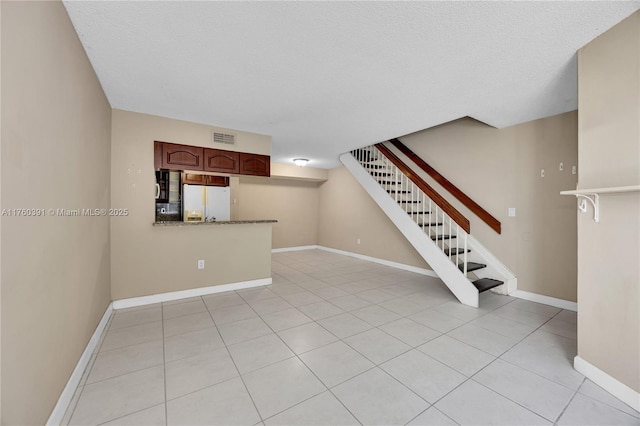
{"points": [[325, 77]]}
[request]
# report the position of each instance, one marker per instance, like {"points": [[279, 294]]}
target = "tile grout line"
{"points": [[500, 358], [636, 416], [128, 414], [327, 388], [339, 339], [467, 378], [569, 403], [89, 367], [235, 365]]}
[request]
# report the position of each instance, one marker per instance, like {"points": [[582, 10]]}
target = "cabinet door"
{"points": [[217, 181], [180, 157], [255, 164], [194, 179], [157, 155], [217, 160]]}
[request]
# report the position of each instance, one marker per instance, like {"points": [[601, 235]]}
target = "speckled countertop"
{"points": [[217, 222]]}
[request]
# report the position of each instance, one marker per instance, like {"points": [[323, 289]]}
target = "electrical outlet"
{"points": [[358, 241], [573, 170], [561, 167], [512, 212], [200, 264], [541, 173]]}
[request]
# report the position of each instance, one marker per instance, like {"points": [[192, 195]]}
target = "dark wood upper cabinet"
{"points": [[157, 154], [186, 157], [255, 164], [194, 178], [217, 160], [208, 180], [217, 181], [182, 157]]}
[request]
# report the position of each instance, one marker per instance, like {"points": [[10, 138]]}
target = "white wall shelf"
{"points": [[593, 196]]}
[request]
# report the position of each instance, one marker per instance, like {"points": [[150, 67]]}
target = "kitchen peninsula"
{"points": [[153, 259]]}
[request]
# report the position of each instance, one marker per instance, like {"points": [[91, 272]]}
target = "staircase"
{"points": [[439, 232]]}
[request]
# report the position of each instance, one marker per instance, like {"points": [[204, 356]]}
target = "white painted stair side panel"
{"points": [[441, 264], [495, 268]]}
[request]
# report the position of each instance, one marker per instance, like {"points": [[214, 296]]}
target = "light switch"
{"points": [[512, 212], [541, 173], [561, 167], [573, 170]]}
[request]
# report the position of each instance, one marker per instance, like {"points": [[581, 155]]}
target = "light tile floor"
{"points": [[340, 341]]}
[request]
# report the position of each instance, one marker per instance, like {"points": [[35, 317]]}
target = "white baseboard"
{"points": [[298, 248], [547, 300], [616, 388], [417, 270], [533, 297], [183, 294], [72, 384]]}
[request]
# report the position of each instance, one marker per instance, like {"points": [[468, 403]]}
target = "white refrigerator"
{"points": [[206, 203]]}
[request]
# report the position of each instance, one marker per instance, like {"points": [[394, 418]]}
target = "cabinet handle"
{"points": [[157, 191]]}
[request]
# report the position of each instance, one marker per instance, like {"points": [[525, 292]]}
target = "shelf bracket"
{"points": [[594, 199]]}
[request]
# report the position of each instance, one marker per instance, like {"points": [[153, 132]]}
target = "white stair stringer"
{"points": [[495, 268], [459, 285]]}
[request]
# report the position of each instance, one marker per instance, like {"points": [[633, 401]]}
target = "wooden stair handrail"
{"points": [[453, 190], [454, 214]]}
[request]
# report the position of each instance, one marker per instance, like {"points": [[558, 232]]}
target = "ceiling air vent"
{"points": [[225, 138]]}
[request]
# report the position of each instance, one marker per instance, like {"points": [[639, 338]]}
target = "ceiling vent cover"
{"points": [[225, 138]]}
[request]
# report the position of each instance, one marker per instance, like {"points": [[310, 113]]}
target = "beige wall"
{"points": [[291, 171], [608, 252], [347, 212], [149, 260], [56, 125], [500, 168], [0, 222], [292, 202]]}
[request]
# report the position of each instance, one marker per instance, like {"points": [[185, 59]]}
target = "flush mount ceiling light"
{"points": [[300, 161]]}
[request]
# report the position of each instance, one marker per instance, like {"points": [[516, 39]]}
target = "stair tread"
{"points": [[383, 174], [388, 182], [472, 266], [430, 223], [443, 237], [484, 284], [418, 212], [454, 251], [409, 201], [398, 191]]}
